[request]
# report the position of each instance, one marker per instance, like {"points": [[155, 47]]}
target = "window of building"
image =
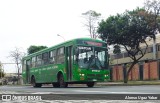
{"points": [[158, 47], [149, 50], [125, 54], [118, 56], [113, 56]]}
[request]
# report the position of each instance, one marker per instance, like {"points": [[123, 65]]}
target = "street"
{"points": [[48, 89], [77, 93]]}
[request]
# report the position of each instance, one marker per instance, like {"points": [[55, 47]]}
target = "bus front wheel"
{"points": [[62, 83], [90, 84]]}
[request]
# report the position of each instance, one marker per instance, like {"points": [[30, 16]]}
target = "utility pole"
{"points": [[154, 49]]}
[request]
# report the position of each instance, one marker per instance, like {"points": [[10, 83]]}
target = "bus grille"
{"points": [[95, 76]]}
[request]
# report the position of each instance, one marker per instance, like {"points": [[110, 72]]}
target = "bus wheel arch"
{"points": [[60, 80], [33, 82], [32, 79]]}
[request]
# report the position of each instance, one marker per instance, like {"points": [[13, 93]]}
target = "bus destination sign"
{"points": [[93, 43]]}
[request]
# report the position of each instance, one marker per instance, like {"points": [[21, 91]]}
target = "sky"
{"points": [[37, 22]]}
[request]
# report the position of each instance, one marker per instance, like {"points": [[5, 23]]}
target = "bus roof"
{"points": [[63, 43]]}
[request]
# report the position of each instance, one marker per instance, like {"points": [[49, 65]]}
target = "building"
{"points": [[124, 58], [148, 67]]}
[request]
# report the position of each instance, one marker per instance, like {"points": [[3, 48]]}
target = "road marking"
{"points": [[86, 91], [129, 93], [104, 92]]}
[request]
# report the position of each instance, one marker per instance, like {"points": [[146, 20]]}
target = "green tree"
{"points": [[91, 18], [33, 49], [117, 49], [129, 30]]}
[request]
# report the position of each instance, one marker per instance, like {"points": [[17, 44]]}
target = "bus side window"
{"points": [[39, 60], [28, 64], [33, 62], [24, 65], [45, 58], [60, 55], [52, 57]]}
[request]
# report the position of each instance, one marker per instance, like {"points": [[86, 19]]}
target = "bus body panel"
{"points": [[72, 73]]}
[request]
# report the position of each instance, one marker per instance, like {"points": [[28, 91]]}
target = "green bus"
{"points": [[78, 61]]}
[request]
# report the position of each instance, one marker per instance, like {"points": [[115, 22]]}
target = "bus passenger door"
{"points": [[28, 65], [69, 59]]}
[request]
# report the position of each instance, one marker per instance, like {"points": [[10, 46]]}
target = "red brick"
{"points": [[146, 71], [154, 70], [134, 73], [117, 73], [120, 72]]}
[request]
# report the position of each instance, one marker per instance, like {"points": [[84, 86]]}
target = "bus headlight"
{"points": [[81, 74], [105, 75]]}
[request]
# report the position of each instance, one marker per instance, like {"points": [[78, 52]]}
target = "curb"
{"points": [[136, 83]]}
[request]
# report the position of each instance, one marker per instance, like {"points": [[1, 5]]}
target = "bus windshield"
{"points": [[91, 57]]}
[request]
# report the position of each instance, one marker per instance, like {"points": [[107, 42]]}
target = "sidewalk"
{"points": [[120, 83], [130, 83]]}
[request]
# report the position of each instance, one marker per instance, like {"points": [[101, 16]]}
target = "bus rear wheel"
{"points": [[34, 84], [62, 83], [90, 84]]}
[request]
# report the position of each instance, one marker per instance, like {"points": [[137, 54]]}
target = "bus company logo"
{"points": [[6, 97], [21, 98]]}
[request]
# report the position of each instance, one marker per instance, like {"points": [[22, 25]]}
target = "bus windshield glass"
{"points": [[91, 57]]}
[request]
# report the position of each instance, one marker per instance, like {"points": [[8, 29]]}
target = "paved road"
{"points": [[146, 89], [82, 90]]}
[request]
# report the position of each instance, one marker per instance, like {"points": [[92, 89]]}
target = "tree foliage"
{"points": [[117, 49], [33, 49], [91, 18], [153, 8], [129, 29]]}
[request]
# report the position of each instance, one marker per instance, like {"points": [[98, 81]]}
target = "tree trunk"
{"points": [[18, 81], [127, 75]]}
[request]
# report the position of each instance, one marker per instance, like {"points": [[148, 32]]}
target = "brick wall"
{"points": [[117, 73], [150, 70], [134, 73]]}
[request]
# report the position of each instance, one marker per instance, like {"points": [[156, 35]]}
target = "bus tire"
{"points": [[61, 82], [34, 84], [90, 84], [56, 85]]}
